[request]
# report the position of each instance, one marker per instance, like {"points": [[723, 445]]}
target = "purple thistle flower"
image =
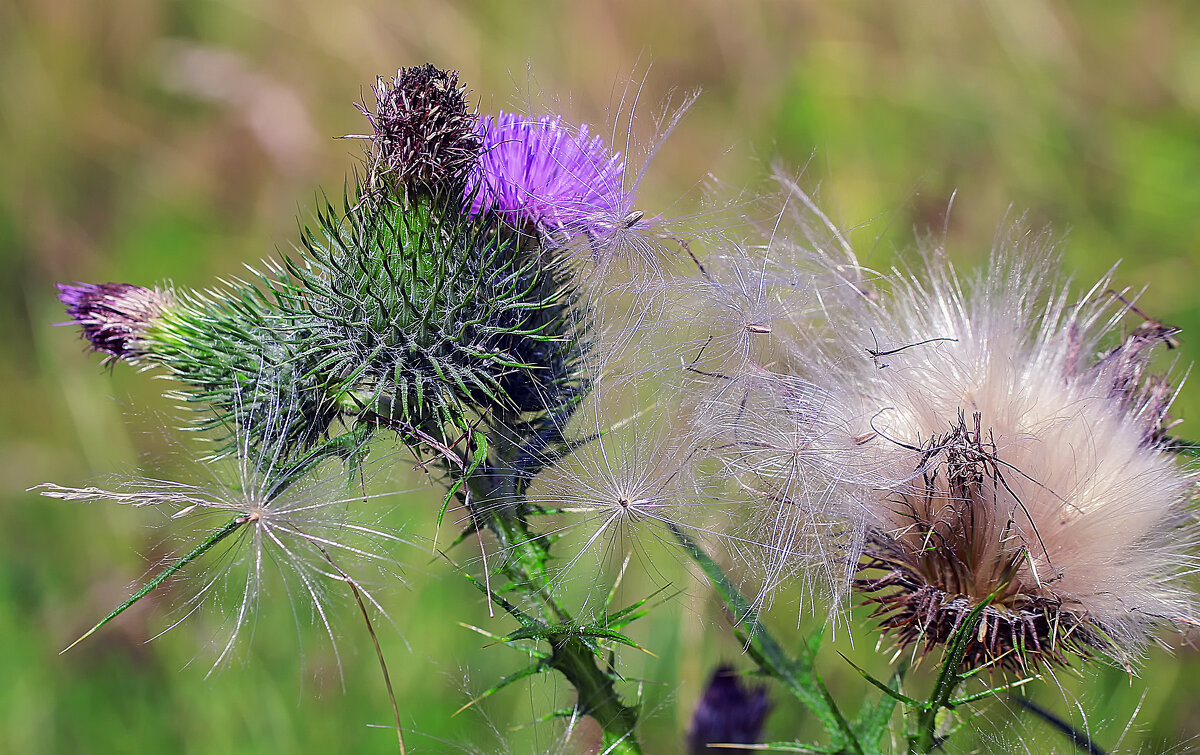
{"points": [[539, 172], [112, 315], [727, 713]]}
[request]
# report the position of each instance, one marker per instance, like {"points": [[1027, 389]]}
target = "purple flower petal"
{"points": [[111, 315], [727, 712], [540, 172]]}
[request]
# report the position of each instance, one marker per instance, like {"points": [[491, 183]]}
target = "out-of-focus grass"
{"points": [[148, 141]]}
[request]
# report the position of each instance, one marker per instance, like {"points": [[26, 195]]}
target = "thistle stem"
{"points": [[597, 698], [925, 738], [799, 675], [525, 566]]}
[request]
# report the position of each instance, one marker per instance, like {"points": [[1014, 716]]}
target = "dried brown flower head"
{"points": [[425, 134]]}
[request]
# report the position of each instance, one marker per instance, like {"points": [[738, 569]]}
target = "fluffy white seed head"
{"points": [[787, 461], [944, 441], [1024, 438]]}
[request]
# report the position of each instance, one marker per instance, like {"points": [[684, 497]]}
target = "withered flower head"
{"points": [[112, 316], [424, 131], [1024, 445]]}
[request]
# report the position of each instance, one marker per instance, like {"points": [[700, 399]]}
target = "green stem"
{"points": [[925, 739], [525, 565], [597, 698], [799, 674], [526, 552]]}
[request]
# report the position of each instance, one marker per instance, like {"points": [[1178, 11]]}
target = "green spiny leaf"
{"points": [[233, 525], [541, 667]]}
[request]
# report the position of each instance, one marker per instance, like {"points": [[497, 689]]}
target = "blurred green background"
{"points": [[153, 141]]}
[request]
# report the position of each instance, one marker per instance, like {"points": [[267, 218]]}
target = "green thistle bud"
{"points": [[414, 314], [239, 353], [439, 315]]}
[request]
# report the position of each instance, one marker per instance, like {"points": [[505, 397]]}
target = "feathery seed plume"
{"points": [[264, 512]]}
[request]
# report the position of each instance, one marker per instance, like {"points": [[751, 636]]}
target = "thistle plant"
{"points": [[988, 465], [987, 461]]}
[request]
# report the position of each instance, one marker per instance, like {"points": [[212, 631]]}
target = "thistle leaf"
{"points": [[228, 529]]}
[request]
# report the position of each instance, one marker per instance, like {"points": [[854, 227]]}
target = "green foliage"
{"points": [[797, 674]]}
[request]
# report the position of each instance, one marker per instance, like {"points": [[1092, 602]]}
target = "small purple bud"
{"points": [[112, 316], [727, 713], [537, 171], [424, 131]]}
